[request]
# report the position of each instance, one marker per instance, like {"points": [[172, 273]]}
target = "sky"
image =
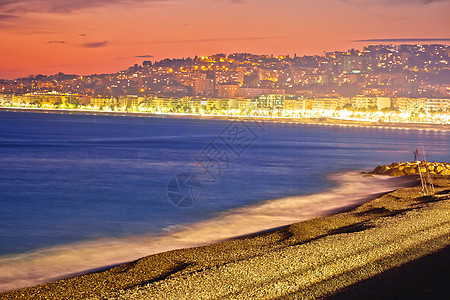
{"points": [[105, 36]]}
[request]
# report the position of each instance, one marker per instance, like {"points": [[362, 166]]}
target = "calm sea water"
{"points": [[70, 178]]}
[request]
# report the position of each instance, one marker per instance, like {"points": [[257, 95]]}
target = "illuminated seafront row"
{"points": [[369, 109]]}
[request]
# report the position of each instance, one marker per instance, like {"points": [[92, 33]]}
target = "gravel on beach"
{"points": [[311, 259]]}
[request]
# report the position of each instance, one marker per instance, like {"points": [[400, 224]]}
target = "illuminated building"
{"points": [[203, 87], [227, 90]]}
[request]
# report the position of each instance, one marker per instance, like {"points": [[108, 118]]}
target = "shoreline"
{"points": [[168, 273], [349, 190], [282, 120]]}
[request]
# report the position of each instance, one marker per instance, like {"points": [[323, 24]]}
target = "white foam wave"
{"points": [[45, 265]]}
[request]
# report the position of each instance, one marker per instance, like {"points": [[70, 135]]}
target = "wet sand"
{"points": [[323, 257]]}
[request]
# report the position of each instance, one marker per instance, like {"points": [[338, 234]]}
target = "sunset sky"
{"points": [[105, 36]]}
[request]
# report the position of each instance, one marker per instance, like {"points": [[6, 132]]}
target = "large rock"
{"points": [[410, 171], [396, 172], [411, 168], [377, 170], [445, 172], [385, 170]]}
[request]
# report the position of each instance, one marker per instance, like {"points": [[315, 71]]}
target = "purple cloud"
{"points": [[7, 20], [56, 42], [62, 6], [391, 2], [94, 44], [6, 17], [144, 56]]}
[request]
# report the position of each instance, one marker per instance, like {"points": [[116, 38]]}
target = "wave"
{"points": [[353, 188]]}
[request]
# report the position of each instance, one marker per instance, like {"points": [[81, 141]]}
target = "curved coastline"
{"points": [[284, 120], [313, 259], [352, 189]]}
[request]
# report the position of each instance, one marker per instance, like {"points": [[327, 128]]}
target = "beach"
{"points": [[62, 261], [316, 258], [287, 120]]}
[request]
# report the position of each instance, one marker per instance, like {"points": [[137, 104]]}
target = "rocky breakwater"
{"points": [[412, 168]]}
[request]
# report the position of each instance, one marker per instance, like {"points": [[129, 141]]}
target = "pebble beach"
{"points": [[312, 259]]}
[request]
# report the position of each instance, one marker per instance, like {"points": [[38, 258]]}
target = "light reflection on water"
{"points": [[71, 178]]}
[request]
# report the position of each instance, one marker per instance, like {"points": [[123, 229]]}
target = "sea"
{"points": [[84, 192]]}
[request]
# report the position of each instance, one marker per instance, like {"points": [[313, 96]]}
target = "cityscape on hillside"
{"points": [[389, 80]]}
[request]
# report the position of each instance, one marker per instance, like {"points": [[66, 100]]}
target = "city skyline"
{"points": [[87, 37], [379, 70]]}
